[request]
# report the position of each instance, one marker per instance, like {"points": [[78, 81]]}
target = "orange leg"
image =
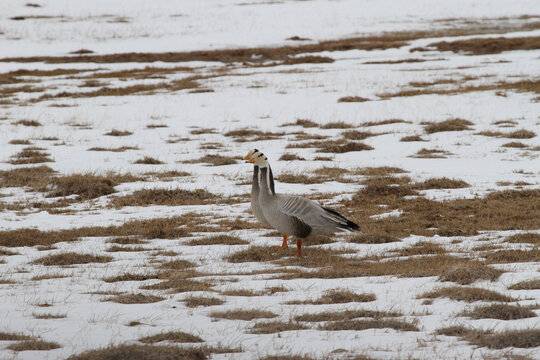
{"points": [[284, 245], [299, 248]]}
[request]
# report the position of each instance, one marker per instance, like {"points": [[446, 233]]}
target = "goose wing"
{"points": [[322, 220]]}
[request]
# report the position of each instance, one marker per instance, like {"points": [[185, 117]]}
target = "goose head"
{"points": [[257, 158]]}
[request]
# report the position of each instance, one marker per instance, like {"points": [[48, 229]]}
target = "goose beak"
{"points": [[248, 159]]}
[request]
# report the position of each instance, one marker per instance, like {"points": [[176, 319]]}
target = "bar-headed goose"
{"points": [[255, 189], [294, 215]]}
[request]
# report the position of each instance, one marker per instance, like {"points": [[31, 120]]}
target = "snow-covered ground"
{"points": [[258, 98]]}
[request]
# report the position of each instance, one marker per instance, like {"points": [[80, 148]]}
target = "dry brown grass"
{"points": [[116, 248], [273, 327], [218, 240], [20, 142], [33, 345], [412, 138], [518, 134], [165, 197], [172, 336], [357, 135], [469, 273], [135, 299], [299, 179], [500, 311], [130, 277], [359, 325], [148, 160], [178, 264], [385, 122], [528, 338], [481, 46], [308, 59], [515, 144], [431, 154], [337, 296], [290, 157], [286, 357], [447, 125], [352, 99], [379, 171], [144, 73], [161, 228], [345, 315], [118, 149], [115, 132], [193, 301], [255, 254], [440, 183], [422, 248], [242, 292], [513, 256], [30, 155], [214, 159], [4, 336], [176, 282], [305, 123], [467, 294], [33, 123], [526, 285], [71, 258], [372, 239], [143, 352], [337, 125], [246, 315], [87, 186]]}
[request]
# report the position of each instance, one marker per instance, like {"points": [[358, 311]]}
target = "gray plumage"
{"points": [[295, 215], [255, 206]]}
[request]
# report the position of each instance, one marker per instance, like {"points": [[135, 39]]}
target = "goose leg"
{"points": [[284, 245], [299, 248]]}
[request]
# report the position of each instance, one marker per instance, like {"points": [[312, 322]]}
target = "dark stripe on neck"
{"points": [[256, 177], [271, 176]]}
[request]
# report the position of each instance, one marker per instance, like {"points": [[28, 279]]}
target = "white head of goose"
{"points": [[293, 215]]}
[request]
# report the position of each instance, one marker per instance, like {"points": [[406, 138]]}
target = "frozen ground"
{"points": [[180, 125]]}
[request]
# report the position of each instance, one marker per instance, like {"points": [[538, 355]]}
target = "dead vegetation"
{"points": [[217, 240], [193, 301], [431, 154], [252, 135], [372, 239], [337, 125], [5, 336], [333, 146], [528, 338], [161, 228], [33, 123], [526, 285], [71, 258], [469, 273], [482, 46], [30, 155], [359, 325], [412, 138], [512, 256], [518, 134], [275, 327], [337, 296], [246, 315], [290, 157], [214, 159], [352, 99], [164, 197], [148, 160], [33, 345], [500, 311], [467, 294], [305, 123], [33, 177], [134, 351], [115, 132], [447, 125], [87, 186], [118, 149], [172, 336], [135, 299]]}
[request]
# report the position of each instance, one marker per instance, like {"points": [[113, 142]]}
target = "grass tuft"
{"points": [[467, 294], [71, 258], [245, 315], [172, 336]]}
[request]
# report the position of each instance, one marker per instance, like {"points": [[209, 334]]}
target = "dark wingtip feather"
{"points": [[349, 224]]}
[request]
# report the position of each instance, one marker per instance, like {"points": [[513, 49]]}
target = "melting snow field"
{"points": [[125, 222]]}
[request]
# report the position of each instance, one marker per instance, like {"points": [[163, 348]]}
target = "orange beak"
{"points": [[248, 159]]}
